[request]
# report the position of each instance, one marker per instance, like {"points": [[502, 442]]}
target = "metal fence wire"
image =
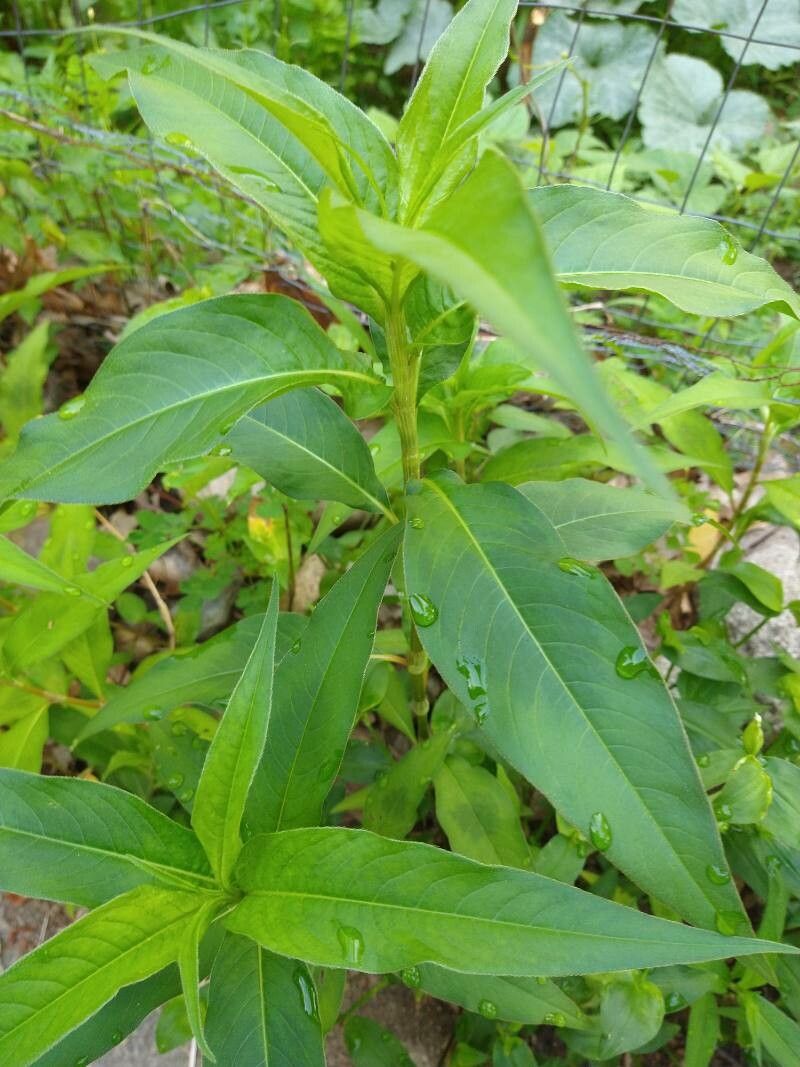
{"points": [[20, 32]]}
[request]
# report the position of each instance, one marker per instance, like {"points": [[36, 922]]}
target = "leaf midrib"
{"points": [[590, 726]]}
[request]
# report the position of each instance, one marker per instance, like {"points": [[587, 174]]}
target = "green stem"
{"points": [[404, 360]]}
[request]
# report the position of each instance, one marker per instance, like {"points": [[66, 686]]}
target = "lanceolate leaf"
{"points": [[485, 242], [412, 903], [204, 675], [529, 640], [170, 391], [605, 240], [262, 1009], [597, 521], [516, 1000], [83, 842], [451, 90], [235, 752], [189, 968], [307, 447], [51, 621], [317, 687], [53, 989], [16, 565]]}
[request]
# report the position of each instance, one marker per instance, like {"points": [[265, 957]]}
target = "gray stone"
{"points": [[776, 549]]}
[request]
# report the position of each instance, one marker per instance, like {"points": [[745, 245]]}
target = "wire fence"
{"points": [[229, 223]]}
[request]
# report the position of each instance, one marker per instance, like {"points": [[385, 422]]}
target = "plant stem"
{"points": [[404, 360], [365, 998], [53, 698]]}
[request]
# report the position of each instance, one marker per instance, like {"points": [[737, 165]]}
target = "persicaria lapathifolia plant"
{"points": [[261, 893]]}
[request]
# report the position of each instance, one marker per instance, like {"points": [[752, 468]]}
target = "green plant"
{"points": [[545, 676]]}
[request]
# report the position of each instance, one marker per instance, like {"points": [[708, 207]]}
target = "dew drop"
{"points": [[704, 760], [576, 567], [175, 781], [180, 140], [71, 408], [178, 729], [297, 644], [472, 671], [126, 562], [698, 519], [352, 944], [411, 977], [116, 1037], [633, 661], [375, 448], [674, 1001], [152, 714], [728, 250], [423, 611], [29, 507], [186, 796], [555, 1018], [717, 875], [773, 865], [72, 590], [723, 812], [416, 523], [728, 922], [221, 450], [600, 832], [541, 981], [308, 994], [488, 1009]]}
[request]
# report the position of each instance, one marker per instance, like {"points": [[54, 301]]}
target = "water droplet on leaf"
{"points": [[72, 590], [308, 994], [416, 523], [488, 1009], [728, 250], [773, 865], [221, 450], [71, 408], [704, 760], [423, 611], [717, 875], [186, 796], [352, 944], [555, 1018], [126, 561], [576, 567], [600, 832], [175, 781], [297, 644], [178, 729], [153, 713], [674, 1001], [633, 661], [472, 671], [411, 977]]}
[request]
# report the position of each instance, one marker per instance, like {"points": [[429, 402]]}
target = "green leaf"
{"points": [[777, 22], [450, 91], [83, 842], [392, 802], [225, 356], [317, 687], [485, 242], [783, 494], [205, 674], [20, 568], [235, 752], [373, 1045], [22, 380], [477, 813], [39, 284], [747, 794], [21, 745], [189, 968], [680, 103], [779, 1034], [703, 1031], [262, 1009], [604, 240], [515, 1000], [307, 447], [530, 643], [593, 518], [716, 390], [54, 988], [783, 817], [52, 620], [349, 898], [272, 130], [631, 1013]]}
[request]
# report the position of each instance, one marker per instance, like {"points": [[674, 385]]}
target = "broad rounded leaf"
{"points": [[778, 21], [680, 101]]}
